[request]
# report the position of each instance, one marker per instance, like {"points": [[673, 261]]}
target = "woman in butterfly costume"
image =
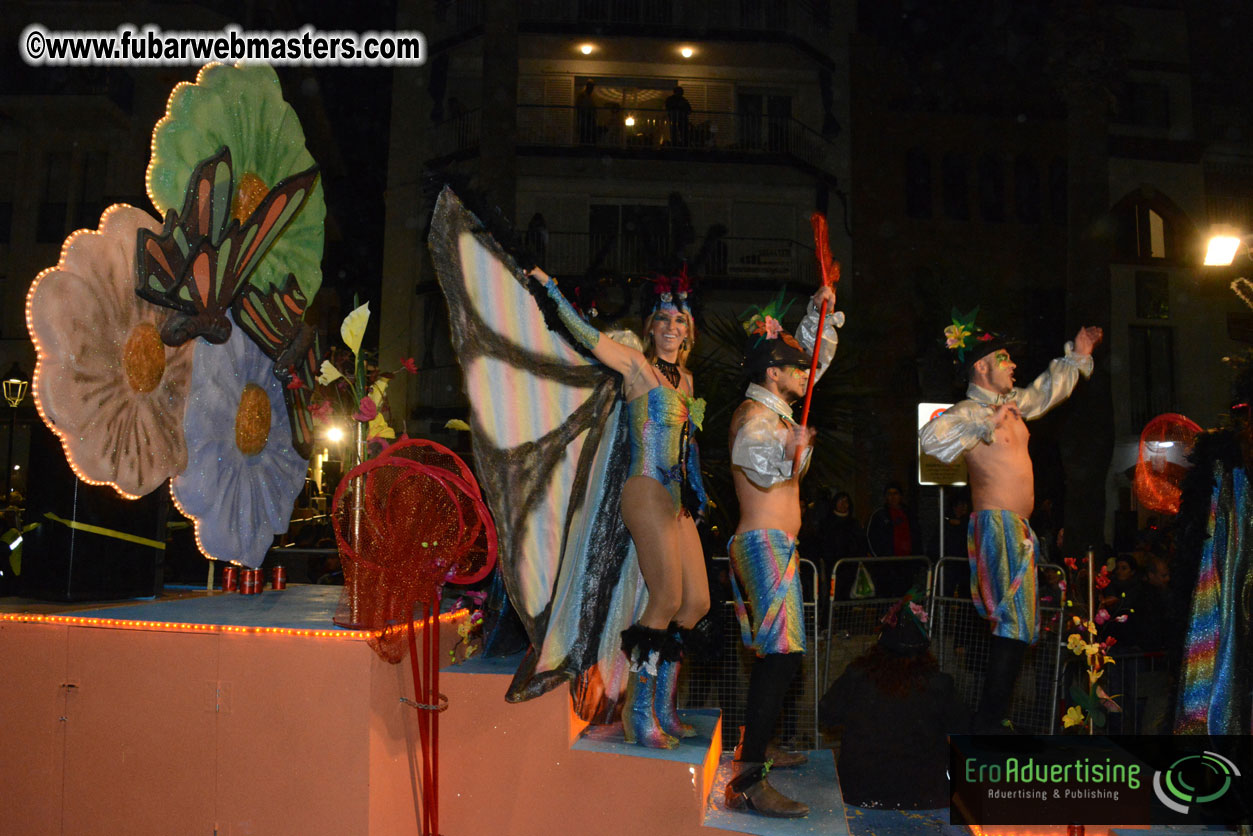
{"points": [[584, 442], [659, 497]]}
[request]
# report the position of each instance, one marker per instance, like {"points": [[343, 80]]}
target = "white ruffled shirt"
{"points": [[963, 425]]}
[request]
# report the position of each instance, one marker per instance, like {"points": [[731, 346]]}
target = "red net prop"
{"points": [[1165, 444], [406, 523]]}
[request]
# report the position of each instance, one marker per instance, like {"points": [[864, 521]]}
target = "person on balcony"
{"points": [[679, 111], [585, 114]]}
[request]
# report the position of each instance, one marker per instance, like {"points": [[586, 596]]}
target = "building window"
{"points": [[765, 121], [1027, 190], [50, 223], [1058, 198], [1152, 295], [917, 184], [1142, 233], [1143, 105], [1152, 372], [991, 188], [628, 238], [955, 187], [92, 182]]}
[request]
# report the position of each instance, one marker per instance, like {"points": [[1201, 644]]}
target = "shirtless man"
{"points": [[988, 429], [764, 439]]}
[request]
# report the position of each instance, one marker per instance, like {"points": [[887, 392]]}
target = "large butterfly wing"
{"points": [[274, 319], [548, 438], [164, 258], [202, 258]]}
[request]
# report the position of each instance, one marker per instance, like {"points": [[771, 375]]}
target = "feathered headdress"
{"points": [[768, 343]]}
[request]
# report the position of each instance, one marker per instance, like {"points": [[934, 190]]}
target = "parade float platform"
{"points": [[225, 714]]}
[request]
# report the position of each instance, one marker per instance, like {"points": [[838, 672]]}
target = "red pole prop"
{"points": [[830, 275]]}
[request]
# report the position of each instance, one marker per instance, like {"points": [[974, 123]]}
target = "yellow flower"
{"points": [[353, 328], [1073, 717], [1094, 675], [1075, 644], [379, 428], [955, 336], [329, 374]]}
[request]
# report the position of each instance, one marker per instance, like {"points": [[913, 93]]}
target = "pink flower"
{"points": [[1102, 615], [366, 410], [410, 365], [772, 328], [322, 411]]}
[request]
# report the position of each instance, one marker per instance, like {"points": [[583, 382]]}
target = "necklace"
{"points": [[670, 371]]}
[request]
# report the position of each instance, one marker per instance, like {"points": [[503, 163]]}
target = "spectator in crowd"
{"points": [[842, 537], [955, 525], [897, 709], [892, 531]]}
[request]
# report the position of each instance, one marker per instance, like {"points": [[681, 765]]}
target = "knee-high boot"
{"points": [[668, 685], [642, 646], [1004, 659]]}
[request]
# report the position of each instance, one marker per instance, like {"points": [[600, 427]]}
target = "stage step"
{"points": [[589, 779]]}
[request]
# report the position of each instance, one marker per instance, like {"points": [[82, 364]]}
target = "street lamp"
{"points": [[1222, 248], [15, 384]]}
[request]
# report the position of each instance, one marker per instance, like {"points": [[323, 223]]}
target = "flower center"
{"points": [[143, 358], [252, 420], [248, 196]]}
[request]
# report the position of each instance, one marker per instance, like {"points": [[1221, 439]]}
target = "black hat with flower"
{"points": [[969, 343], [903, 629], [768, 343]]}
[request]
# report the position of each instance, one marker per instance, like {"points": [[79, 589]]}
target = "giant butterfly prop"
{"points": [[550, 437], [199, 265]]}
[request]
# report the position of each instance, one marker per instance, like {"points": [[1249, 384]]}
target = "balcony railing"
{"points": [[702, 131], [762, 259], [807, 20]]}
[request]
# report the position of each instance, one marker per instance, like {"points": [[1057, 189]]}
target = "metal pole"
{"points": [[8, 470], [941, 522]]}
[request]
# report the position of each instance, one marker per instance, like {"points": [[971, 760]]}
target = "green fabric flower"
{"points": [[696, 410], [243, 108]]}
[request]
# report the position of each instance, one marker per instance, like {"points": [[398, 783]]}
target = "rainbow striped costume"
{"points": [[1214, 689], [765, 563], [1003, 552]]}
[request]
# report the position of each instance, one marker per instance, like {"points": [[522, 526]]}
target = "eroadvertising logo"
{"points": [[1099, 780], [1179, 787]]}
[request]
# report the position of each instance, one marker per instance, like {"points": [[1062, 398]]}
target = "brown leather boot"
{"points": [[750, 789], [779, 758]]}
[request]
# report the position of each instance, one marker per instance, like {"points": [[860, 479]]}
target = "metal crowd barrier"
{"points": [[959, 640], [852, 623]]}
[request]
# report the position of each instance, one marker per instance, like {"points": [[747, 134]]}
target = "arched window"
{"points": [[1148, 226]]}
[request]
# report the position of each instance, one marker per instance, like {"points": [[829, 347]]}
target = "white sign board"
{"points": [[932, 471]]}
